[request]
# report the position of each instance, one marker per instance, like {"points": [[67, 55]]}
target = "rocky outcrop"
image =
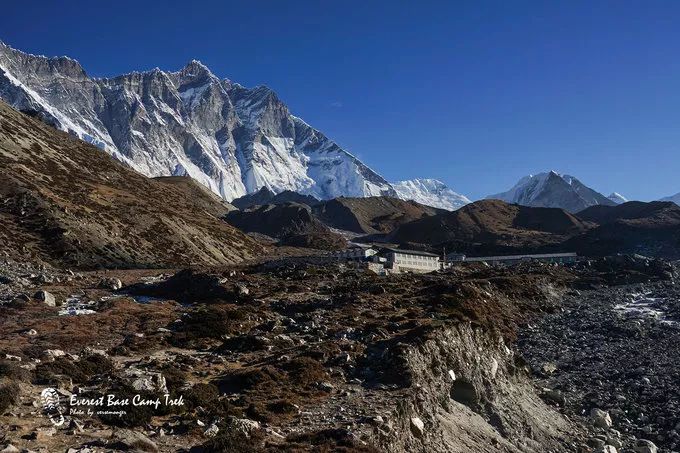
{"points": [[468, 394]]}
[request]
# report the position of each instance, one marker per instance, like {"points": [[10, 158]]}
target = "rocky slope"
{"points": [[292, 223], [609, 357], [65, 202], [231, 139], [553, 190], [651, 229], [492, 226], [370, 215], [430, 192]]}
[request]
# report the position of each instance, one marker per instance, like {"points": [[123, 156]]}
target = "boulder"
{"points": [[244, 426], [417, 427], [132, 440], [112, 283], [9, 448], [47, 297], [600, 418], [644, 446]]}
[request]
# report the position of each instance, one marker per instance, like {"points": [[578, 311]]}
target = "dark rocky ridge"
{"points": [[266, 196], [493, 226], [292, 223]]}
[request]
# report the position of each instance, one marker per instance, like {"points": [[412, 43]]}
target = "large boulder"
{"points": [[127, 439], [644, 446], [47, 297], [600, 418]]}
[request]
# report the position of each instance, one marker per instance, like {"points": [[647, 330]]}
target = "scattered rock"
{"points": [[645, 446]]}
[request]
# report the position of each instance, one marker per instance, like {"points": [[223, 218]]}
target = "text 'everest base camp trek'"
{"points": [[187, 266]]}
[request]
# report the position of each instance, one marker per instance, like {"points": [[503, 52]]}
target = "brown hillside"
{"points": [[372, 214], [494, 223], [66, 202]]}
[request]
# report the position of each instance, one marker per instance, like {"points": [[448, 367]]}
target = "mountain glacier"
{"points": [[232, 139], [430, 192], [553, 190]]}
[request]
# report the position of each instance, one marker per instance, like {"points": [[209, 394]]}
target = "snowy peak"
{"points": [[617, 198], [553, 190], [430, 192], [231, 139]]}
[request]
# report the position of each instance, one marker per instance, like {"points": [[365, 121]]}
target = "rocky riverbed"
{"points": [[611, 357]]}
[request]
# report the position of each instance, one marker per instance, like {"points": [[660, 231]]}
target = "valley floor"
{"points": [[292, 356]]}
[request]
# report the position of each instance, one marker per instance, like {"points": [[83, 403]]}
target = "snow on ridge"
{"points": [[430, 192], [232, 139], [617, 198]]}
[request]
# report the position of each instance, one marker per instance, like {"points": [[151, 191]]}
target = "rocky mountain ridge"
{"points": [[229, 138]]}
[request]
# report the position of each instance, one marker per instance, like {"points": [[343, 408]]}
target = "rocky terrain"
{"points": [[651, 229], [291, 223], [293, 356], [266, 196], [492, 226], [63, 201], [610, 357]]}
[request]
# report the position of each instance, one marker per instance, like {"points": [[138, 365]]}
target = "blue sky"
{"points": [[475, 93]]}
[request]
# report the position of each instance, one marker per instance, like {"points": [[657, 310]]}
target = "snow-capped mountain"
{"points": [[617, 198], [553, 190], [430, 192], [232, 139], [674, 198]]}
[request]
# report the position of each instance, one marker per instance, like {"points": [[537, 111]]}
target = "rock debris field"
{"points": [[611, 357]]}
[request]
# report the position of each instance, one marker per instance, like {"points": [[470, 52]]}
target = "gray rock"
{"points": [[243, 425], [47, 297], [417, 427], [133, 440], [9, 448], [112, 283], [644, 446], [600, 418]]}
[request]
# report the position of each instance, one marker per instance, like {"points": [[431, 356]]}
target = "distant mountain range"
{"points": [[231, 139]]}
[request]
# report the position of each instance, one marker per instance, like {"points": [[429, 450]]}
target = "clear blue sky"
{"points": [[475, 93]]}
